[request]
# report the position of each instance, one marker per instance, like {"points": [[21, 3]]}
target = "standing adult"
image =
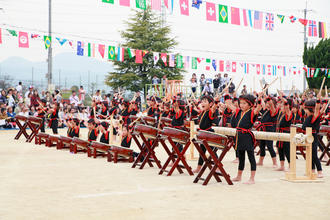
{"points": [[244, 90], [202, 82], [216, 84], [82, 94], [97, 97], [58, 96], [29, 91], [35, 99], [19, 87]]}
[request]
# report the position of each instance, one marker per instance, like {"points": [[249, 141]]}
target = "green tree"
{"points": [[318, 57], [145, 32]]}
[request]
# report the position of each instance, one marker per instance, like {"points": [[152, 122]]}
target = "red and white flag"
{"points": [[233, 67], [163, 56], [211, 14], [0, 37], [184, 7], [258, 69], [101, 50], [23, 40], [269, 69]]}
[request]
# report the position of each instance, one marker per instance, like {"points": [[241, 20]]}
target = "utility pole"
{"points": [[80, 80], [50, 47], [65, 83], [305, 38]]}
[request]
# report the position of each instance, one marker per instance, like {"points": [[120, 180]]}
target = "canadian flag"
{"points": [[233, 67], [258, 69]]}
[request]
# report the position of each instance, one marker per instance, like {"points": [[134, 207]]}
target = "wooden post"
{"points": [[192, 147], [309, 156], [291, 175]]}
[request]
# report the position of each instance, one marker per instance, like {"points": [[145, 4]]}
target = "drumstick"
{"points": [[239, 84], [223, 91], [281, 83], [322, 85], [42, 108], [261, 86], [270, 84]]}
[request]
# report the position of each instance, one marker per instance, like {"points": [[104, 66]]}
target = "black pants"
{"points": [[42, 127], [200, 159], [270, 148], [284, 150], [54, 126], [315, 160], [252, 159]]}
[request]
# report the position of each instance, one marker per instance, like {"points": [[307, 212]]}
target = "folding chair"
{"points": [[212, 142]]}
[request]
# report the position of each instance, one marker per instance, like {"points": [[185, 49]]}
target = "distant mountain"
{"points": [[73, 68]]}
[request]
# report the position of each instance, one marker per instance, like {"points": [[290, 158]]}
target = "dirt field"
{"points": [[44, 183]]}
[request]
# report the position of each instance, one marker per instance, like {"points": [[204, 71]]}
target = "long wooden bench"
{"points": [[41, 138], [123, 154], [64, 142], [53, 140], [79, 145]]}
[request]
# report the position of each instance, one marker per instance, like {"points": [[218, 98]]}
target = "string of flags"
{"points": [[229, 15], [314, 72], [117, 53]]}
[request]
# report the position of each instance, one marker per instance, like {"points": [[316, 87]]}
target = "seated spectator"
{"points": [[3, 97]]}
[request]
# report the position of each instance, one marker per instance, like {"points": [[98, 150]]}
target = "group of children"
{"points": [[262, 112]]}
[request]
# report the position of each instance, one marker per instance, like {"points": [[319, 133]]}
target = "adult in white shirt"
{"points": [[74, 99], [97, 97], [19, 87], [30, 91], [208, 89]]}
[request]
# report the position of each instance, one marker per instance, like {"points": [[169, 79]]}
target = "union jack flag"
{"points": [[269, 22]]}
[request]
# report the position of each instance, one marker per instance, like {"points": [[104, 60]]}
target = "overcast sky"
{"points": [[94, 21]]}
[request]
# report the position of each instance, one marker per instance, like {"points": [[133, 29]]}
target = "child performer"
{"points": [[246, 116], [41, 113], [92, 130], [206, 118], [283, 126], [103, 128], [53, 122], [75, 127], [267, 123], [313, 120]]}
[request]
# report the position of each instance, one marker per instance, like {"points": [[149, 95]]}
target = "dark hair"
{"points": [[248, 98], [105, 125], [91, 121], [208, 98]]}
